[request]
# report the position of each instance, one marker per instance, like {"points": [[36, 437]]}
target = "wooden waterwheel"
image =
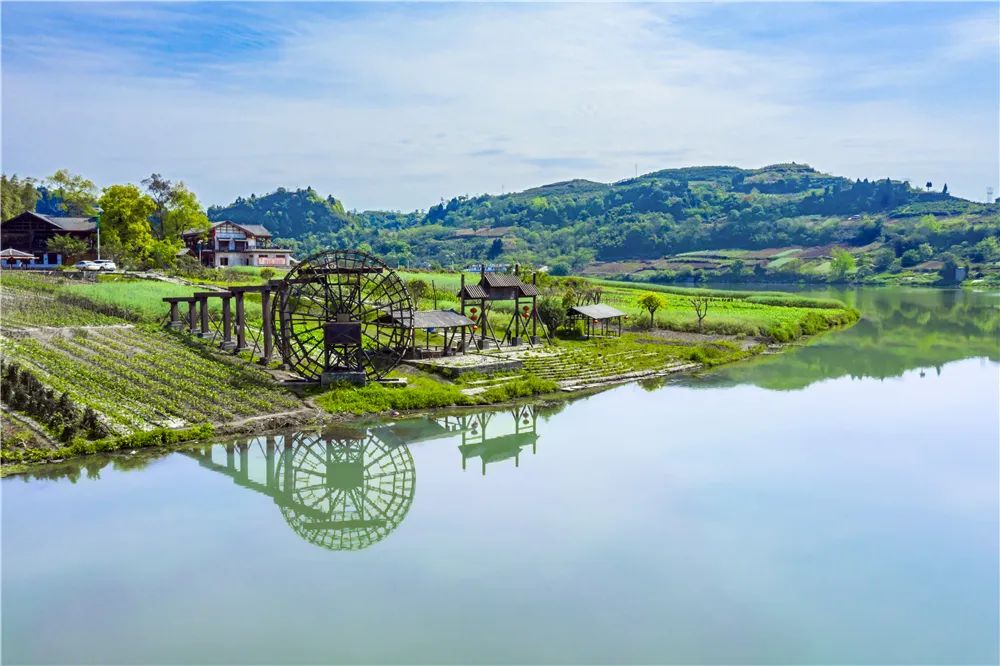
{"points": [[343, 313]]}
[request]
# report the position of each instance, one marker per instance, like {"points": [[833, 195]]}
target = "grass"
{"points": [[424, 393], [17, 457], [755, 314]]}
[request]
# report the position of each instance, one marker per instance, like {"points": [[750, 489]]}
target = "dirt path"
{"points": [[691, 338]]}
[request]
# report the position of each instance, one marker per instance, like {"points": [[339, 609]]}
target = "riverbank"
{"points": [[89, 367]]}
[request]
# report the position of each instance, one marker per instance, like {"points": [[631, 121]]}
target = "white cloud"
{"points": [[399, 106]]}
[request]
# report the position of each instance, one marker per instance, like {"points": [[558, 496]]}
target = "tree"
{"points": [[911, 258], [842, 263], [736, 269], [651, 302], [125, 227], [68, 246], [560, 268], [177, 208], [929, 185], [944, 190], [552, 312], [77, 195], [17, 195], [418, 289], [949, 267], [496, 249], [700, 305], [162, 253]]}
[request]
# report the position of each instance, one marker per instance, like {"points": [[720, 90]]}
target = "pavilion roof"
{"points": [[598, 311], [423, 319]]}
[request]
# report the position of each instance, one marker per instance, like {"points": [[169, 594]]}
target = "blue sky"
{"points": [[399, 105]]}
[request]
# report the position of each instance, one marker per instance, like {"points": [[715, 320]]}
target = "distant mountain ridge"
{"points": [[577, 222]]}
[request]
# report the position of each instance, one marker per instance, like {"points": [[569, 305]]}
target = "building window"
{"points": [[223, 261]]}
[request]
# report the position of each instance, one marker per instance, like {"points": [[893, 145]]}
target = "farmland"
{"points": [[101, 347]]}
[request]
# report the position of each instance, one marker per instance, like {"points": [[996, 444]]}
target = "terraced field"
{"points": [[140, 378]]}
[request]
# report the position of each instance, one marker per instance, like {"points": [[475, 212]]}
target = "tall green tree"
{"points": [[651, 302], [842, 263], [125, 229], [77, 195], [17, 195], [177, 208]]}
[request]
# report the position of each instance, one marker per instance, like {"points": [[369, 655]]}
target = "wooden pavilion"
{"points": [[598, 319], [477, 300], [450, 324]]}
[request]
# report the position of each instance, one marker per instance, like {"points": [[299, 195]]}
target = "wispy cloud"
{"points": [[397, 105]]}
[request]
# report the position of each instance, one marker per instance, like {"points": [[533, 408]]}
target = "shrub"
{"points": [[552, 312]]}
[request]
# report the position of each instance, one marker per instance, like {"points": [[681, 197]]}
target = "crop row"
{"points": [[226, 388], [176, 397], [233, 381], [84, 385]]}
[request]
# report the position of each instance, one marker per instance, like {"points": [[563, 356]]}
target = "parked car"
{"points": [[98, 265]]}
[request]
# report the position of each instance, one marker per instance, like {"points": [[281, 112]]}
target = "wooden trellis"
{"points": [[231, 330]]}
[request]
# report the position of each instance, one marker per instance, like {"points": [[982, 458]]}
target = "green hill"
{"points": [[639, 226]]}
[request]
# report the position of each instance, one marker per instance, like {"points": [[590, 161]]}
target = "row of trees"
{"points": [[141, 225]]}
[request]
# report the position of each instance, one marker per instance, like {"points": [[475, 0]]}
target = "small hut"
{"points": [[450, 324], [11, 258], [598, 319]]}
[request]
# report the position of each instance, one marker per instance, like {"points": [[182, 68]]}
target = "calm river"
{"points": [[835, 504]]}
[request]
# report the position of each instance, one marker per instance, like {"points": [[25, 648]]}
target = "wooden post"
{"points": [[175, 321], [269, 457], [534, 310], [284, 328], [227, 323], [203, 305], [192, 317], [265, 308], [461, 297], [482, 323], [241, 323]]}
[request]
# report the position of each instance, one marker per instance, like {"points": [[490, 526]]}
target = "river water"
{"points": [[834, 504]]}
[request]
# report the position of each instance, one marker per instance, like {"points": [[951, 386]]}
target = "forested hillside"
{"points": [[582, 225]]}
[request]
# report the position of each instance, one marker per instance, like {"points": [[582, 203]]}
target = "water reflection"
{"points": [[900, 330], [341, 491], [504, 444], [347, 489]]}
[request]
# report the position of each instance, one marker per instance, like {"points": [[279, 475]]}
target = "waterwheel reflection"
{"points": [[342, 491], [347, 489]]}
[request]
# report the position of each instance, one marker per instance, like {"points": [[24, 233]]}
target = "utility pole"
{"points": [[98, 225], [637, 170], [989, 195]]}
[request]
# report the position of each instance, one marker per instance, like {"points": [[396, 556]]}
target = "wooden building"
{"points": [[230, 244], [29, 233]]}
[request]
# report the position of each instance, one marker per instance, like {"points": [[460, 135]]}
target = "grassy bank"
{"points": [[96, 371], [426, 393]]}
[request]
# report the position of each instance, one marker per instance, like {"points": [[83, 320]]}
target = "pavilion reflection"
{"points": [[348, 488]]}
